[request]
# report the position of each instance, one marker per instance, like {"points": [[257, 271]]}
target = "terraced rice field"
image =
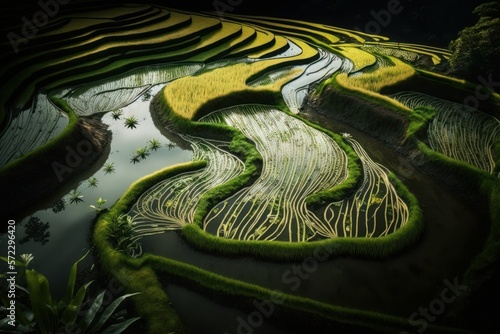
{"points": [[458, 131], [120, 92], [297, 161], [172, 203], [375, 209], [265, 181], [30, 129]]}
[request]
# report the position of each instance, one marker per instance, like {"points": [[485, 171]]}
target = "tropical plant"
{"points": [[135, 159], [142, 152], [99, 203], [154, 144], [121, 234], [92, 182], [131, 122], [75, 197], [109, 167], [116, 114], [43, 314]]}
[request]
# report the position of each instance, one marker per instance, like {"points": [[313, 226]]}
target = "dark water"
{"points": [[57, 231], [397, 285]]}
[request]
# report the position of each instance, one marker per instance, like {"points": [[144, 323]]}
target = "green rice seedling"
{"points": [[99, 203], [375, 209], [116, 114], [131, 122], [394, 51], [142, 152], [109, 167], [122, 235], [75, 197], [154, 144], [118, 92], [92, 182]]}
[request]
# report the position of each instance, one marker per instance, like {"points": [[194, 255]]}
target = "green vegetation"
{"points": [[264, 183], [457, 131], [109, 167], [131, 122], [186, 96], [75, 197], [476, 50], [46, 315], [359, 58], [122, 237]]}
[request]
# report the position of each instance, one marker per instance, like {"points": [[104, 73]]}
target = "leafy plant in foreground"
{"points": [[43, 314]]}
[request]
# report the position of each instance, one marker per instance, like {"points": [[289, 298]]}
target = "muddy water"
{"points": [[397, 285]]}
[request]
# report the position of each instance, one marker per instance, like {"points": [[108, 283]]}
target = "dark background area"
{"points": [[420, 21]]}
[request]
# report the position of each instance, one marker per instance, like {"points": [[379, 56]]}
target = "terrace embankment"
{"points": [[365, 115], [390, 127], [43, 171]]}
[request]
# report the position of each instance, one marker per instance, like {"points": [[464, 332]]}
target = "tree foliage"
{"points": [[477, 49]]}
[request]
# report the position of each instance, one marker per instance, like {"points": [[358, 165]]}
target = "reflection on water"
{"points": [[35, 230], [58, 235], [29, 129]]}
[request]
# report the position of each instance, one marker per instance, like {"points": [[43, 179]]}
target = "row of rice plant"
{"points": [[172, 203], [384, 76], [403, 54], [297, 162], [245, 35], [31, 129], [458, 131], [380, 63], [263, 40], [434, 53], [358, 57], [319, 34], [375, 209], [280, 49], [188, 95], [53, 61], [116, 93]]}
